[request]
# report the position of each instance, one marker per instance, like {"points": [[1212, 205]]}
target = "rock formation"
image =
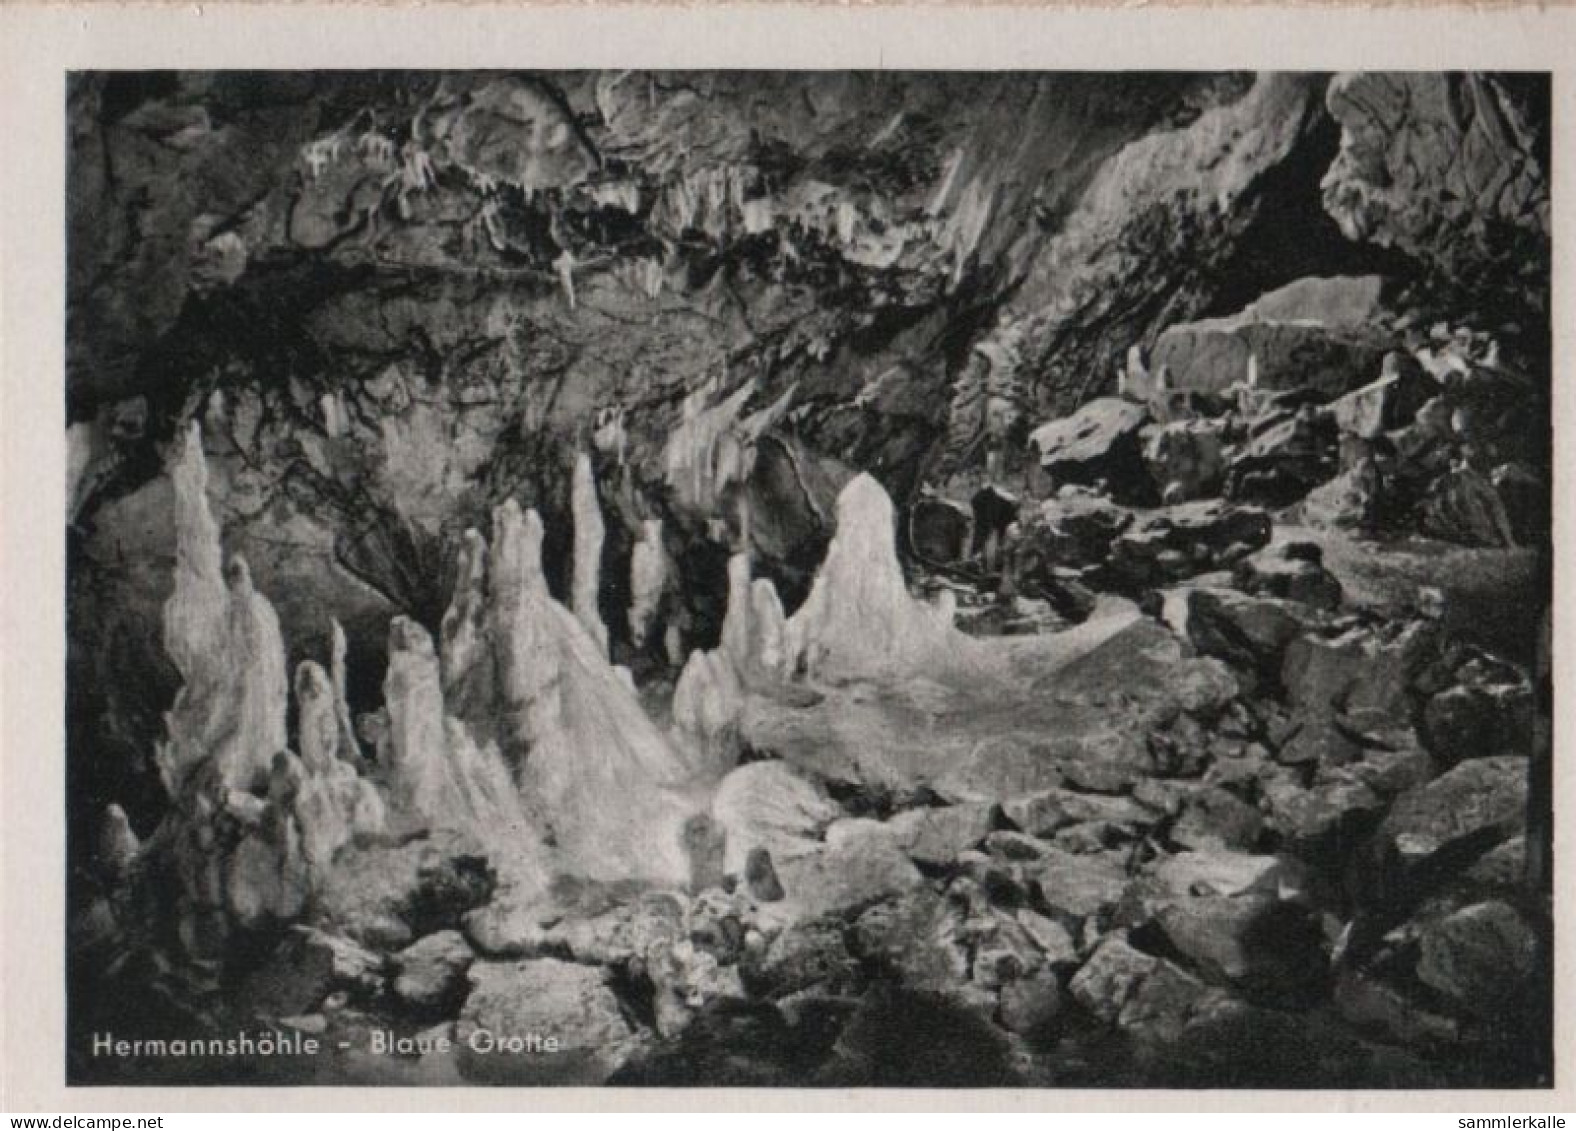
{"points": [[589, 532], [437, 772], [224, 639], [859, 619]]}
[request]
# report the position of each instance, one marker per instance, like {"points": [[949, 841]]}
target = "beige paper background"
{"points": [[37, 46]]}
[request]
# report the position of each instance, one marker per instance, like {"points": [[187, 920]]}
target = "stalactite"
{"points": [[859, 619]]}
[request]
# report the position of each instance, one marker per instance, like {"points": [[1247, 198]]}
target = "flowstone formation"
{"points": [[813, 579]]}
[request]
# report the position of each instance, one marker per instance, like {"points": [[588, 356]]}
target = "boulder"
{"points": [[1054, 940], [1215, 818], [535, 1002], [430, 973], [1524, 491], [505, 928], [1287, 454], [1318, 334], [1043, 813], [1290, 571], [308, 966], [921, 937], [1186, 540], [1249, 633], [1376, 1006], [1319, 741], [625, 933], [935, 836], [810, 955], [1217, 871], [1468, 809], [1146, 996], [1186, 459], [1324, 817], [1079, 886], [1483, 958], [1268, 947], [1073, 529], [1033, 1007], [1360, 670], [1098, 444], [387, 896], [1389, 403], [842, 880], [1493, 715], [1388, 772], [1464, 506], [687, 979]]}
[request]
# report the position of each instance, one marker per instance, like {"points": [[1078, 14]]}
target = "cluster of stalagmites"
{"points": [[513, 729], [1107, 824]]}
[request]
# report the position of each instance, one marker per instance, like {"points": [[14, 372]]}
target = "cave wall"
{"points": [[395, 299]]}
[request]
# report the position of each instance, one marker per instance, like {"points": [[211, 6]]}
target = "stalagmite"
{"points": [[648, 578], [604, 779], [768, 630], [565, 266], [317, 722], [736, 621], [517, 594], [589, 532], [349, 745], [465, 659], [118, 844], [753, 626], [332, 804], [859, 619], [437, 771], [708, 701], [224, 639]]}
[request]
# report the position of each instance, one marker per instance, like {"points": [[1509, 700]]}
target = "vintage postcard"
{"points": [[858, 568]]}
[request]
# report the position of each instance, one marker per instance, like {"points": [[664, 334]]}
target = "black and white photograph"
{"points": [[807, 579]]}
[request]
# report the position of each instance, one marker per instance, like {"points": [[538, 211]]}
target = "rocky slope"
{"points": [[1052, 566]]}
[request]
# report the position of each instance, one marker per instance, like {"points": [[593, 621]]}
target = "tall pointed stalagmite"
{"points": [[709, 698], [437, 771], [604, 779], [224, 639], [332, 803], [859, 619], [465, 649], [589, 533], [349, 745]]}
